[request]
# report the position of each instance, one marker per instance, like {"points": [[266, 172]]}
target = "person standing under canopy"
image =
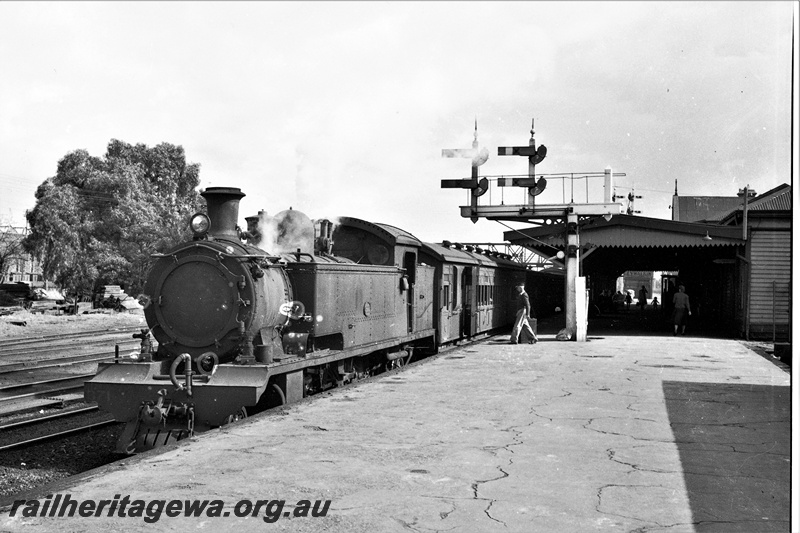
{"points": [[642, 298], [681, 309]]}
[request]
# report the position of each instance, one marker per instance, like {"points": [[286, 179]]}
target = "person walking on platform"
{"points": [[523, 314], [681, 308]]}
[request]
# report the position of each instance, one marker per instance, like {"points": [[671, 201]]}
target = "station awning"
{"points": [[629, 242]]}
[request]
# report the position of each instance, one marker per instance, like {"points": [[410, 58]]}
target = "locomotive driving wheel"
{"points": [[397, 363], [241, 414]]}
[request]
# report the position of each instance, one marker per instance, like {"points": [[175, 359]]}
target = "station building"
{"points": [[733, 255]]}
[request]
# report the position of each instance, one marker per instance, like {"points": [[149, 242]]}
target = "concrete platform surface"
{"points": [[640, 434]]}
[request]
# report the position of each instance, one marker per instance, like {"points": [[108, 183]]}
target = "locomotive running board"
{"points": [[329, 356]]}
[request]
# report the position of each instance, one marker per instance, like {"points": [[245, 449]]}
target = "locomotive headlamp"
{"points": [[200, 224]]}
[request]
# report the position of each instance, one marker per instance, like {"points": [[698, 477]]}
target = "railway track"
{"points": [[13, 345], [8, 368], [28, 396], [30, 381], [33, 353], [39, 429]]}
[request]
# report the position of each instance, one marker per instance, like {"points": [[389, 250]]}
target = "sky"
{"points": [[343, 108]]}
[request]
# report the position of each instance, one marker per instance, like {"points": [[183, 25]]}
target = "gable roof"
{"points": [[777, 200]]}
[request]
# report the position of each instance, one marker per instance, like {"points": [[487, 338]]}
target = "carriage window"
{"points": [[446, 296]]}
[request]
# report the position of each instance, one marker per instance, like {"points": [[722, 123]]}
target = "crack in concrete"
{"points": [[444, 515], [612, 457], [504, 474], [515, 441], [490, 500], [642, 529], [786, 523], [641, 439], [746, 424], [406, 525], [414, 526]]}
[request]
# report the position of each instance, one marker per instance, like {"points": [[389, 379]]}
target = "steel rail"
{"points": [[44, 382], [39, 394], [60, 434], [47, 418], [78, 334], [8, 368], [40, 348]]}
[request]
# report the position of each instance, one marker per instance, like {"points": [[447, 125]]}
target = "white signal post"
{"points": [[575, 298], [479, 187]]}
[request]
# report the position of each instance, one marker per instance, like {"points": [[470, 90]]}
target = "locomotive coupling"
{"points": [[156, 414], [153, 415]]}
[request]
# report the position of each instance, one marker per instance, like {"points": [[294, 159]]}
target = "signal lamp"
{"points": [[200, 224]]}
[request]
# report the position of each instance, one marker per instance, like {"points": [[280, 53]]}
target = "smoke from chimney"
{"points": [[286, 232]]}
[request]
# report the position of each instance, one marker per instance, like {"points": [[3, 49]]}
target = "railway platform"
{"points": [[628, 433]]}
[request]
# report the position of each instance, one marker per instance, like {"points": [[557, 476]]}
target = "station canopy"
{"points": [[628, 242]]}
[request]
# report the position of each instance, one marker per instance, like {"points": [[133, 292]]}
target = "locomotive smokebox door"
{"points": [[199, 301]]}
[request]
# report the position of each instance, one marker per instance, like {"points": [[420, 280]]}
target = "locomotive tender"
{"points": [[239, 328]]}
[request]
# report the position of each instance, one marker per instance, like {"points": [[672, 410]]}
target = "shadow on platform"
{"points": [[734, 447]]}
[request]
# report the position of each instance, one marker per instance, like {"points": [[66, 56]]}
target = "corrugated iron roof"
{"points": [[780, 201], [774, 200], [626, 231]]}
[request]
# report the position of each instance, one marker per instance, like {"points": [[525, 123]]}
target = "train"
{"points": [[239, 321]]}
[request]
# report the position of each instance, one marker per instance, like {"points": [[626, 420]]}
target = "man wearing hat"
{"points": [[523, 313]]}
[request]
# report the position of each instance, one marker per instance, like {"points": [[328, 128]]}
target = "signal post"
{"points": [[575, 299]]}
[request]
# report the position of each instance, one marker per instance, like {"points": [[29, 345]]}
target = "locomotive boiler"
{"points": [[248, 320]]}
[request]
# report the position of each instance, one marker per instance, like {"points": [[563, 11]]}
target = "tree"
{"points": [[98, 220]]}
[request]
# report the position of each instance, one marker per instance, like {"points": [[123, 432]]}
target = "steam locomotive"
{"points": [[240, 329]]}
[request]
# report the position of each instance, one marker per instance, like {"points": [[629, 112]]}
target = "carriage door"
{"points": [[466, 292], [410, 265]]}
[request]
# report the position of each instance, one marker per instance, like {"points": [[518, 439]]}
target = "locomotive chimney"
{"points": [[223, 210]]}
